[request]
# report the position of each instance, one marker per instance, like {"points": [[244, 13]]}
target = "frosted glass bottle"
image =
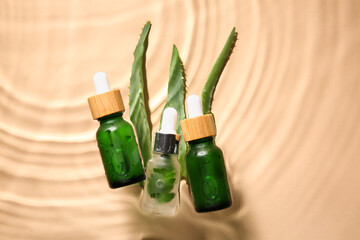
{"points": [[161, 191]]}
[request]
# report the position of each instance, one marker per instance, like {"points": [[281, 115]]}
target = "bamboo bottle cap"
{"points": [[198, 127], [106, 103]]}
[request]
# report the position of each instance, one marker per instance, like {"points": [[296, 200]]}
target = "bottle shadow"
{"points": [[229, 223]]}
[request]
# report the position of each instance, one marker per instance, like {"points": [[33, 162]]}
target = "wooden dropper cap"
{"points": [[106, 101], [197, 125]]}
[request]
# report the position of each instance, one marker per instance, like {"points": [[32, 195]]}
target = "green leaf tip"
{"points": [[215, 73], [139, 109], [176, 99]]}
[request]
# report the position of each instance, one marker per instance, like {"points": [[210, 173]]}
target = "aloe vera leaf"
{"points": [[176, 99], [139, 97], [215, 73]]}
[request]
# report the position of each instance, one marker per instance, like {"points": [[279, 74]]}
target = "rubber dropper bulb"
{"points": [[168, 123], [101, 83], [194, 107]]}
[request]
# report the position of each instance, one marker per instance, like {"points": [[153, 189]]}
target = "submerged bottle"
{"points": [[115, 136], [161, 191], [204, 160]]}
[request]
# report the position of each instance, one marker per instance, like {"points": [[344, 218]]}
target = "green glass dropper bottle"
{"points": [[115, 136], [204, 160]]}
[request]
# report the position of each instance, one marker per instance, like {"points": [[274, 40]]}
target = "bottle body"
{"points": [[119, 151], [161, 191], [207, 176]]}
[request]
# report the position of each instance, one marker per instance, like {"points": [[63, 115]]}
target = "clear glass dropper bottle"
{"points": [[115, 136], [204, 160], [161, 191]]}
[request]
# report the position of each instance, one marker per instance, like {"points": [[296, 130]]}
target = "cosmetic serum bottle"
{"points": [[161, 191], [205, 162], [115, 136]]}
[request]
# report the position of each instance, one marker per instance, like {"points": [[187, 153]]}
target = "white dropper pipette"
{"points": [[101, 83], [168, 123], [194, 107]]}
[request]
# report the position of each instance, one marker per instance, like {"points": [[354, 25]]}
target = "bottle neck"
{"points": [[110, 117], [206, 140], [164, 156]]}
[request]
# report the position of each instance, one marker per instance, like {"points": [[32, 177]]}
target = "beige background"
{"points": [[287, 111]]}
